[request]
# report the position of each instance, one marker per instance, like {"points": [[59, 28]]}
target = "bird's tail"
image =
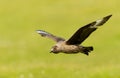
{"points": [[86, 50]]}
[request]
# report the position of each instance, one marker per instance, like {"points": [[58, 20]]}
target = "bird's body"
{"points": [[69, 49], [73, 45]]}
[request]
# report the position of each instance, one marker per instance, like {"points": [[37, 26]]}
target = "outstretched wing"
{"points": [[46, 34], [82, 33]]}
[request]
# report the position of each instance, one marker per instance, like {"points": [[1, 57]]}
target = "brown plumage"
{"points": [[73, 45]]}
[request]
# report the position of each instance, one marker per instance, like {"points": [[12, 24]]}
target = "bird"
{"points": [[73, 44]]}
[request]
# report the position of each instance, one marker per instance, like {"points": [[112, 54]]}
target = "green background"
{"points": [[24, 54]]}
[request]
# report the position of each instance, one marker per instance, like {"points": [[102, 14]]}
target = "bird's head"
{"points": [[54, 49]]}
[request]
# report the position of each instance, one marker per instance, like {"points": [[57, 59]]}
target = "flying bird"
{"points": [[73, 44]]}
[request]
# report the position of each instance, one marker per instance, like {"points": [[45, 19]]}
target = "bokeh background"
{"points": [[24, 54]]}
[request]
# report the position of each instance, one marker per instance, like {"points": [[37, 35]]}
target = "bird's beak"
{"points": [[51, 52]]}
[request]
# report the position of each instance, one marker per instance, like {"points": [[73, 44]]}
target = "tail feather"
{"points": [[86, 50]]}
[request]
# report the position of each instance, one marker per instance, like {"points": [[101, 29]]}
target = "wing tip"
{"points": [[41, 32], [102, 21], [38, 31], [107, 17]]}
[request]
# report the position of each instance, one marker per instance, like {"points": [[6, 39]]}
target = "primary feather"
{"points": [[82, 33]]}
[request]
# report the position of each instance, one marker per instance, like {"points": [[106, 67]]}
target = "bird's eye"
{"points": [[55, 47]]}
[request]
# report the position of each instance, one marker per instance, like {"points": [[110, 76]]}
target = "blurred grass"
{"points": [[24, 54]]}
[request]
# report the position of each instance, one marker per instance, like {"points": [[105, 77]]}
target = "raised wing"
{"points": [[46, 34], [82, 33]]}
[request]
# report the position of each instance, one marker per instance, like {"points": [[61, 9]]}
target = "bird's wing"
{"points": [[82, 33], [46, 34]]}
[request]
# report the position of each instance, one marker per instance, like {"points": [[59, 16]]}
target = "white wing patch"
{"points": [[98, 22], [42, 33], [49, 35]]}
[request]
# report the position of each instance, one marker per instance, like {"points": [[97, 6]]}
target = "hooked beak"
{"points": [[51, 51], [54, 52]]}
